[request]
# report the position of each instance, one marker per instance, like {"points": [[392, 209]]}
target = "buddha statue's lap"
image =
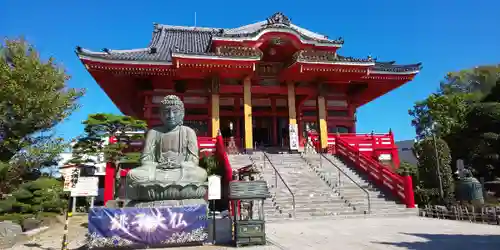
{"points": [[169, 173]]}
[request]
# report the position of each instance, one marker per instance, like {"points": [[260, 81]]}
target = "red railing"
{"points": [[206, 144], [361, 150], [221, 155], [376, 146]]}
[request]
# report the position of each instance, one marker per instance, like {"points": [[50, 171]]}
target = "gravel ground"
{"points": [[372, 233]]}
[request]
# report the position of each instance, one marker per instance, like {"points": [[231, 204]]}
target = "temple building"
{"points": [[264, 83]]}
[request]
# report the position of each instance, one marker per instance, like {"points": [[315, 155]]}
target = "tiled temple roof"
{"points": [[168, 39], [391, 67], [333, 57], [196, 41]]}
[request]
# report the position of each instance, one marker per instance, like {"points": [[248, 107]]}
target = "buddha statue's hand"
{"points": [[169, 162], [168, 165]]}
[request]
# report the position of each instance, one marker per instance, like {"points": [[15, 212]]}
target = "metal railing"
{"points": [[276, 175], [340, 171]]}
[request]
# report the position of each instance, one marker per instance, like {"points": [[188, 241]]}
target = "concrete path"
{"points": [[372, 233], [385, 233]]}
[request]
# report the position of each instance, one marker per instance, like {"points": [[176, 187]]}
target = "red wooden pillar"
{"points": [[394, 151], [352, 112], [409, 194], [237, 110], [298, 112], [109, 178], [209, 118]]}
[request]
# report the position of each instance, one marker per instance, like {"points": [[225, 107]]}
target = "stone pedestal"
{"points": [[165, 203]]}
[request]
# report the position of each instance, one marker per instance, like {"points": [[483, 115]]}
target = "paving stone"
{"points": [[326, 234]]}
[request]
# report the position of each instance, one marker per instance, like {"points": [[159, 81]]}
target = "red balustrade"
{"points": [[221, 154], [364, 150], [206, 144]]}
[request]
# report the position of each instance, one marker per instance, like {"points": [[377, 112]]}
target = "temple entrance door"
{"points": [[282, 132], [270, 131], [262, 131]]}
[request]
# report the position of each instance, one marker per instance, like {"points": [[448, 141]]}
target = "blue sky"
{"points": [[446, 35]]}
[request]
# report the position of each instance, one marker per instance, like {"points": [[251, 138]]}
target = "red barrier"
{"points": [[109, 178], [221, 154], [376, 146], [365, 150], [400, 186]]}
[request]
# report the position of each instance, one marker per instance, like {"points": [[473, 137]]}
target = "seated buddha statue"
{"points": [[169, 173]]}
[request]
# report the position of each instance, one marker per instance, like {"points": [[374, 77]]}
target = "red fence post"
{"points": [[109, 178], [409, 195], [394, 151]]}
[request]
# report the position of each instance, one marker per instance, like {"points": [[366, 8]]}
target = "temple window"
{"points": [[338, 113], [338, 129], [269, 82], [309, 113], [262, 109], [232, 81], [196, 111], [342, 129], [227, 108], [200, 127]]}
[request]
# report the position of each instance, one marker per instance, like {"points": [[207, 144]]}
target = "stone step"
{"points": [[309, 202], [300, 217], [316, 205], [314, 197]]}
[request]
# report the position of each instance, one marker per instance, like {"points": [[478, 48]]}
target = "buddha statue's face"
{"points": [[172, 111]]}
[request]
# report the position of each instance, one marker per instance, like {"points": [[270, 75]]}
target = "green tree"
{"points": [[478, 80], [428, 184], [448, 111], [482, 136], [452, 101], [406, 168], [34, 98], [98, 127], [27, 164]]}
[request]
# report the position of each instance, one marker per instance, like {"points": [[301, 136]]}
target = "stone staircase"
{"points": [[316, 188], [238, 161], [313, 198], [382, 203]]}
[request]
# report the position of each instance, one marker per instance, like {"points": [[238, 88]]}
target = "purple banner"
{"points": [[142, 227]]}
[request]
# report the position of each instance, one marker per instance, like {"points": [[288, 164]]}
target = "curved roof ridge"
{"points": [[249, 27], [187, 28], [309, 33]]}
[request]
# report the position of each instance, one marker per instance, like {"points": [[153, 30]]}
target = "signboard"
{"points": [[139, 228], [294, 136], [214, 187], [70, 176], [86, 186]]}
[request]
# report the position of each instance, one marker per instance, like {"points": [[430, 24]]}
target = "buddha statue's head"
{"points": [[172, 111]]}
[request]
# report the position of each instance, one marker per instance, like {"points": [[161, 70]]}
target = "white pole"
{"points": [[73, 206], [195, 19]]}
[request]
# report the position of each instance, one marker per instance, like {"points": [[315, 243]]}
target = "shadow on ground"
{"points": [[448, 241], [37, 246]]}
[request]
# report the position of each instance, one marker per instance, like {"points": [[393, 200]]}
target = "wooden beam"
{"points": [[215, 106], [292, 115], [247, 113], [323, 130], [215, 115]]}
